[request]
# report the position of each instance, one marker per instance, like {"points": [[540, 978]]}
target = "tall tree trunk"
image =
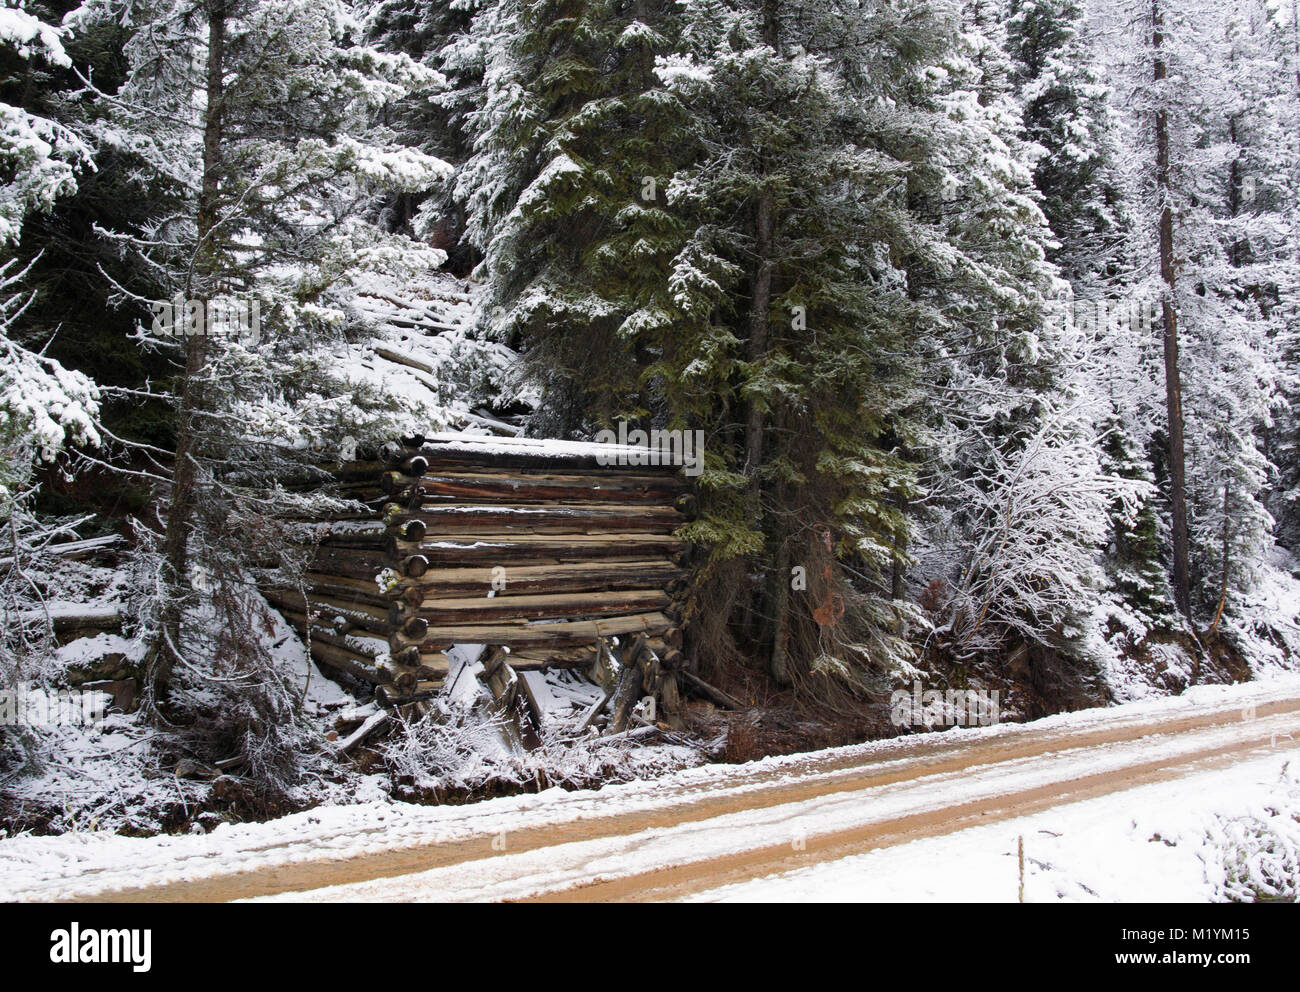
{"points": [[764, 263], [182, 501], [758, 625], [760, 305], [1173, 384], [898, 571], [779, 661]]}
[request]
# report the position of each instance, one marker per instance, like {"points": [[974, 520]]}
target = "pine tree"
{"points": [[436, 34], [271, 134], [1196, 84], [574, 150], [44, 407], [1067, 113]]}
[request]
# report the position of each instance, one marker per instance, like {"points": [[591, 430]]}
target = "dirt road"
{"points": [[738, 823]]}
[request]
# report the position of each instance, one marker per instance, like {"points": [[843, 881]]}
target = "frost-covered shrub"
{"points": [[1256, 857], [468, 749]]}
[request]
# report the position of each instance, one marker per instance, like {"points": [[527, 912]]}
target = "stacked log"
{"points": [[538, 547]]}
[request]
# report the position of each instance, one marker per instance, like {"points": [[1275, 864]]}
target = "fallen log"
{"points": [[712, 693], [347, 662], [504, 684], [363, 733], [374, 618]]}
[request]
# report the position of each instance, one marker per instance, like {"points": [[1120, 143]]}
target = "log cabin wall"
{"points": [[535, 546]]}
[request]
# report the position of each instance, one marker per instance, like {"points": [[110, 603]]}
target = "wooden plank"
{"points": [[536, 693]]}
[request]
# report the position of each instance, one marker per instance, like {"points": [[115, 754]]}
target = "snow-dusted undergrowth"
{"points": [[1255, 857]]}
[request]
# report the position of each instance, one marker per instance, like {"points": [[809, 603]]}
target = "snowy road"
{"points": [[693, 832]]}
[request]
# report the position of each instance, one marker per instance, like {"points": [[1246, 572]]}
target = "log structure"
{"points": [[541, 548]]}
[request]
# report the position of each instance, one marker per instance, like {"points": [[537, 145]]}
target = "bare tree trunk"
{"points": [[1173, 384], [181, 503]]}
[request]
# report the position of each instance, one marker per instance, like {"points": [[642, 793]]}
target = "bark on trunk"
{"points": [[181, 504], [1173, 384], [760, 305]]}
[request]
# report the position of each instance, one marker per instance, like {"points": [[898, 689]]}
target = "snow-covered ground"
{"points": [[1171, 842], [83, 864]]}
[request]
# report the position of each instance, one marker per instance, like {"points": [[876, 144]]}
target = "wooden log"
{"points": [[501, 454], [412, 529], [594, 710], [506, 488], [345, 589], [503, 549], [374, 620], [625, 695], [349, 604], [448, 612], [399, 357], [564, 633], [355, 563], [336, 516], [503, 682], [77, 550], [390, 696], [537, 518], [433, 666], [66, 619], [712, 693], [348, 662], [365, 643], [368, 533], [405, 655], [531, 693], [524, 580], [357, 471], [405, 680], [363, 733], [531, 659]]}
